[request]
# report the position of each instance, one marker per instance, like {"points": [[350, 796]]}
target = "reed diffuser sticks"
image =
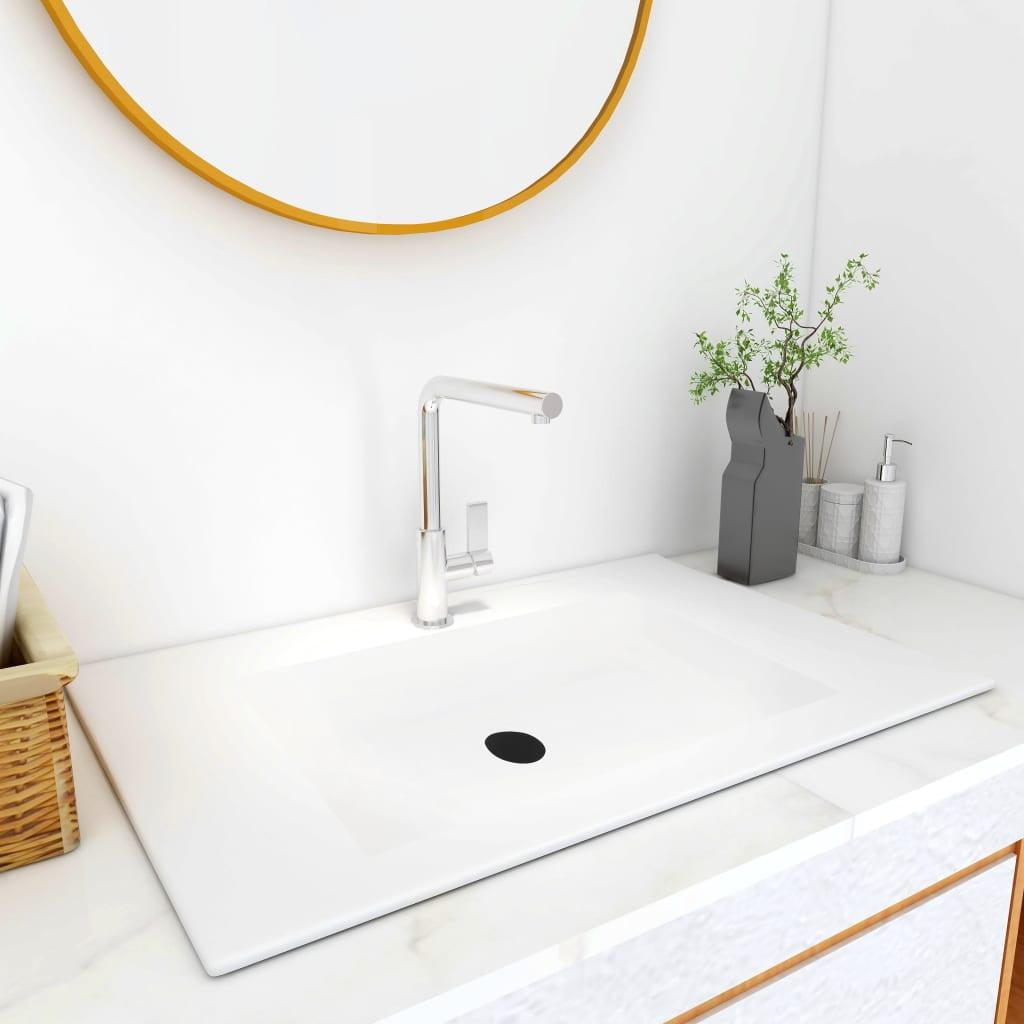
{"points": [[817, 445]]}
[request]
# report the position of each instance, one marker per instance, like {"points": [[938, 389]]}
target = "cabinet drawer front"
{"points": [[939, 961]]}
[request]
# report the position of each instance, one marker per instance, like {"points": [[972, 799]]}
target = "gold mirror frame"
{"points": [[102, 76]]}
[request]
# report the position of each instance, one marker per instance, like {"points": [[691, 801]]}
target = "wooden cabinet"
{"points": [[944, 954], [938, 961], [948, 953], [1012, 996]]}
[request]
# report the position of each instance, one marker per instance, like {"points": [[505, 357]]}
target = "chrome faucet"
{"points": [[436, 566]]}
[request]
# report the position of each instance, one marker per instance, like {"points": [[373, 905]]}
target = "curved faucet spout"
{"points": [[497, 396], [543, 406], [435, 565]]}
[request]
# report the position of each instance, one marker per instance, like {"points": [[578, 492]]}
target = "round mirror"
{"points": [[383, 116]]}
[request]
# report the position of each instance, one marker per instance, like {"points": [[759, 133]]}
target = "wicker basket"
{"points": [[38, 818]]}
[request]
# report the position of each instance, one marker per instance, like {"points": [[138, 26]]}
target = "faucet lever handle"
{"points": [[476, 559], [476, 526], [476, 537]]}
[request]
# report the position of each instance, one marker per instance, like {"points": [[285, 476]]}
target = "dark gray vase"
{"points": [[759, 525]]}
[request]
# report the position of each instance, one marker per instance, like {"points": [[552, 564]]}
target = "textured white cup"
{"points": [[839, 518], [810, 496]]}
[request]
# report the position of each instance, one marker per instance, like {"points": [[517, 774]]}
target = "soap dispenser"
{"points": [[881, 529]]}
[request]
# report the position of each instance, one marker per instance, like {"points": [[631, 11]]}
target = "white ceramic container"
{"points": [[881, 529], [839, 518], [810, 497]]}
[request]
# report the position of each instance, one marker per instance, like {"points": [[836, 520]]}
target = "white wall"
{"points": [[216, 407], [921, 165]]}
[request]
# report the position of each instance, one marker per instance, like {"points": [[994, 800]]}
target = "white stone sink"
{"points": [[292, 783]]}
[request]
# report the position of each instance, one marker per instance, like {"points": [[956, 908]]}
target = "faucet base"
{"points": [[431, 611], [435, 624]]}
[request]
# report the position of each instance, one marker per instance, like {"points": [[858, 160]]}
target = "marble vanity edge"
{"points": [[465, 1002], [932, 792], [609, 935], [662, 972]]}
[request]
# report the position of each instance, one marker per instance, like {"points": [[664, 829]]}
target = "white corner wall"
{"points": [[216, 407], [921, 165]]}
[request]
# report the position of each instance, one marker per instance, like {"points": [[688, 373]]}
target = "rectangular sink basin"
{"points": [[346, 768]]}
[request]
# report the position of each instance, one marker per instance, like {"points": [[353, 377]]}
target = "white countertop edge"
{"points": [[932, 792], [600, 939]]}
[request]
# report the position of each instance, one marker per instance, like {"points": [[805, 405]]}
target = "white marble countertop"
{"points": [[91, 936]]}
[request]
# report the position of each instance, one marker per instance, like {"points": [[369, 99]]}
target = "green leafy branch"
{"points": [[787, 346]]}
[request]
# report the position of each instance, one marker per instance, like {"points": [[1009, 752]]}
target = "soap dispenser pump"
{"points": [[886, 470], [881, 528]]}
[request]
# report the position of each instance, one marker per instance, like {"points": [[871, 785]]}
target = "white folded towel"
{"points": [[15, 513]]}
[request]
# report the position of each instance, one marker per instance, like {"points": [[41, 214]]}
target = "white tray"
{"points": [[874, 568]]}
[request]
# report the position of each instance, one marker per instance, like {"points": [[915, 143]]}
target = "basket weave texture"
{"points": [[38, 816]]}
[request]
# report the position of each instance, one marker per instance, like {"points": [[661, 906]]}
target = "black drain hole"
{"points": [[517, 747]]}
